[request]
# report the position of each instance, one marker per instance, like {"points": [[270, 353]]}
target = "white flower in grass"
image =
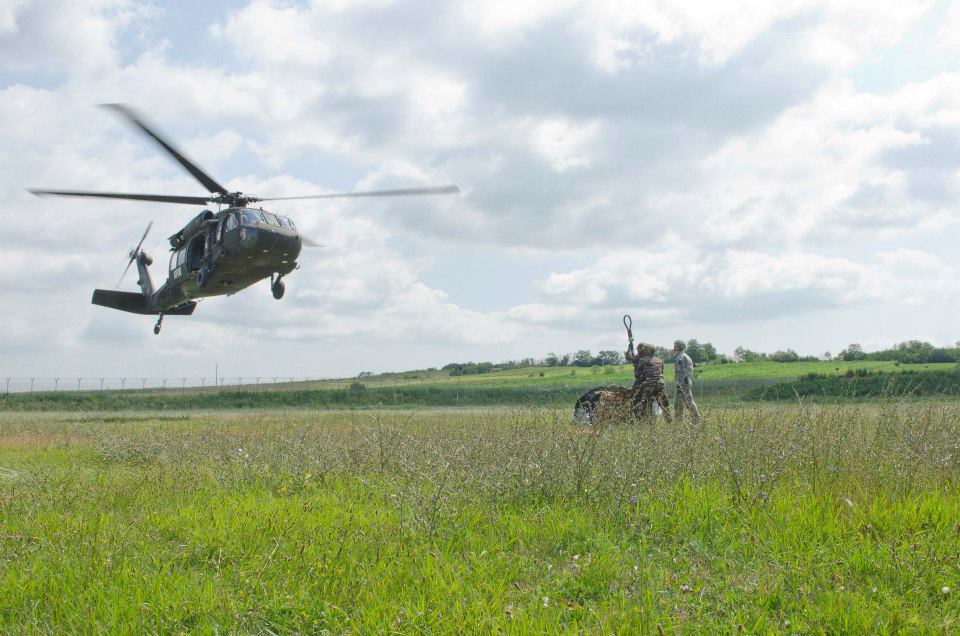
{"points": [[945, 589]]}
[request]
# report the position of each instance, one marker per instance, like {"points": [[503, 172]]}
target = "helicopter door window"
{"points": [[232, 222], [195, 253], [250, 217]]}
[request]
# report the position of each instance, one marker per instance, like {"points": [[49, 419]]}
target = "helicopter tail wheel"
{"points": [[278, 288], [156, 327]]}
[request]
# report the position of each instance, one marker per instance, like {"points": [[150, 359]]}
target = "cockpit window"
{"points": [[269, 218], [250, 217]]}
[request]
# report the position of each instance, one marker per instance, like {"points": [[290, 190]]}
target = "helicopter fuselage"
{"points": [[222, 253]]}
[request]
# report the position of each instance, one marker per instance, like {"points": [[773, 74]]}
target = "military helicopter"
{"points": [[216, 253]]}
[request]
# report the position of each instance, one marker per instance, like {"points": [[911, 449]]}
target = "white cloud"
{"points": [[565, 144], [738, 285], [57, 36], [701, 162], [948, 38]]}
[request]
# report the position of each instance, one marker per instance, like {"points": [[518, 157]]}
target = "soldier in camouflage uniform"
{"points": [[683, 370], [648, 384]]}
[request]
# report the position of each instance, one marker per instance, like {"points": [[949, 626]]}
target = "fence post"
{"points": [[78, 384], [144, 385], [56, 384], [164, 384], [31, 384], [258, 383], [123, 384], [203, 381], [101, 383]]}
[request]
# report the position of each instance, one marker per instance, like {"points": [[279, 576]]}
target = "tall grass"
{"points": [[863, 384], [793, 519]]}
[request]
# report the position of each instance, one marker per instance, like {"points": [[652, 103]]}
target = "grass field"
{"points": [[518, 387], [842, 519], [744, 371]]}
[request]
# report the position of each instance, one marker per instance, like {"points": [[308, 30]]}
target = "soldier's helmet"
{"points": [[679, 345], [646, 349]]}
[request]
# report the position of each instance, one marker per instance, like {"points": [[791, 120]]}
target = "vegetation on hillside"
{"points": [[863, 384], [529, 386]]}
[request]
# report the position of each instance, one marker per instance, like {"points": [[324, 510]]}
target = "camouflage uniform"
{"points": [[683, 370], [648, 384]]}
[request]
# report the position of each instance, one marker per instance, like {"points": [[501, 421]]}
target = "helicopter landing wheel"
{"points": [[278, 288], [156, 327]]}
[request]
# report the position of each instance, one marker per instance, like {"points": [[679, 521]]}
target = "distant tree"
{"points": [[709, 352], [551, 360], [742, 354], [695, 351], [565, 360], [852, 352], [785, 356], [608, 357], [945, 355], [583, 358], [666, 355], [826, 356]]}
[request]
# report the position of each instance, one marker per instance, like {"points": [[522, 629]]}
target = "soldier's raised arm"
{"points": [[628, 354]]}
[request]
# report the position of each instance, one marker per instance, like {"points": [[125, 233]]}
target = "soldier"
{"points": [[648, 384], [683, 370]]}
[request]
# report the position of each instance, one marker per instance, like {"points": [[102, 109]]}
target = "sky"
{"points": [[757, 174]]}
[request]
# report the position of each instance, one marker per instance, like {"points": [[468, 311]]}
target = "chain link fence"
{"points": [[60, 384]]}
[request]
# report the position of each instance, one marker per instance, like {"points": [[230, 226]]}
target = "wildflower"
{"points": [[576, 557], [546, 601], [945, 589]]}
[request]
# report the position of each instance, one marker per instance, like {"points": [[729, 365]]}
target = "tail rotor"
{"points": [[134, 253]]}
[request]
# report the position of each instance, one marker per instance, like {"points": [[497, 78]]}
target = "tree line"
{"points": [[908, 352]]}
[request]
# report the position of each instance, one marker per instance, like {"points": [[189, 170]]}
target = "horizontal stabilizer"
{"points": [[136, 303]]}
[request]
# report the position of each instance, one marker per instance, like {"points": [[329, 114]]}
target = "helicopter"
{"points": [[216, 253]]}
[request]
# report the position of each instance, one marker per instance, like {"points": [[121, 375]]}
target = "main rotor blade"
{"points": [[449, 189], [192, 168], [309, 242], [161, 198]]}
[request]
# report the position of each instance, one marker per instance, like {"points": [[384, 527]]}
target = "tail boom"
{"points": [[137, 303]]}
